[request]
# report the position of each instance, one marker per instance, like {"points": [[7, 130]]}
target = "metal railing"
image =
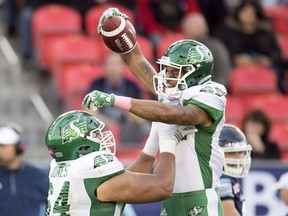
{"points": [[20, 104], [13, 106]]}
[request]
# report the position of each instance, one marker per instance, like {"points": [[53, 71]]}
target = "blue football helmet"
{"points": [[232, 140]]}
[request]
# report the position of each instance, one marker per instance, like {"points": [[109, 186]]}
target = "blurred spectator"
{"points": [[11, 12], [159, 17], [23, 187], [250, 39], [216, 12], [26, 46], [130, 4], [114, 81], [25, 24], [200, 32], [257, 126], [282, 186], [231, 5]]}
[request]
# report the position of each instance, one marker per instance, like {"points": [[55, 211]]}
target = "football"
{"points": [[118, 34]]}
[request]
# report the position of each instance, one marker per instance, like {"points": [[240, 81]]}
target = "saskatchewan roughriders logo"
{"points": [[102, 159], [197, 210], [73, 130]]}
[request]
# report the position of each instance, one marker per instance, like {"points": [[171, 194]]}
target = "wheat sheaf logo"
{"points": [[73, 130], [101, 160]]}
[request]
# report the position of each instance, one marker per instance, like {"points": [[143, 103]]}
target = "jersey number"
{"points": [[61, 205], [213, 90]]}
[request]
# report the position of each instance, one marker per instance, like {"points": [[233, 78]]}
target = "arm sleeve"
{"points": [[225, 191], [151, 147], [210, 98]]}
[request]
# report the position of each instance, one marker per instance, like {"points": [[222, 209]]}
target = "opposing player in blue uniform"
{"points": [[237, 165], [87, 179]]}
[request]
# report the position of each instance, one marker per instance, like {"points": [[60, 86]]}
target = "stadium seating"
{"points": [[275, 106], [283, 43], [234, 111], [73, 47], [248, 82], [53, 20], [93, 16], [47, 51], [279, 17], [73, 81], [279, 134], [146, 47]]}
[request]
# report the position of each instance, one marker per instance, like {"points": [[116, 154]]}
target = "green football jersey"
{"points": [[73, 185], [199, 159]]}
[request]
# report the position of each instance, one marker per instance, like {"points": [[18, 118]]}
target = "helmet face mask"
{"points": [[162, 87], [240, 166], [194, 62], [75, 134], [237, 151]]}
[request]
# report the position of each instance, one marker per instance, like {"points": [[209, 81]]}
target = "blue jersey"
{"points": [[23, 191], [231, 189]]}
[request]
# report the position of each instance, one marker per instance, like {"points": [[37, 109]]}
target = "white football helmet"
{"points": [[233, 140]]}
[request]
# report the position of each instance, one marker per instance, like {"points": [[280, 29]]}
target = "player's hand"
{"points": [[182, 131], [97, 99], [108, 13], [175, 131]]}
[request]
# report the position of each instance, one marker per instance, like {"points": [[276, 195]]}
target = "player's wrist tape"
{"points": [[123, 102], [150, 150], [168, 146]]}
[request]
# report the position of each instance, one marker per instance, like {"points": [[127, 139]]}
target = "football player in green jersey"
{"points": [[87, 179], [186, 96]]}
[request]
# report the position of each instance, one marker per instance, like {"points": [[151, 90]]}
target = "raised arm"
{"points": [[133, 56], [140, 67]]}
